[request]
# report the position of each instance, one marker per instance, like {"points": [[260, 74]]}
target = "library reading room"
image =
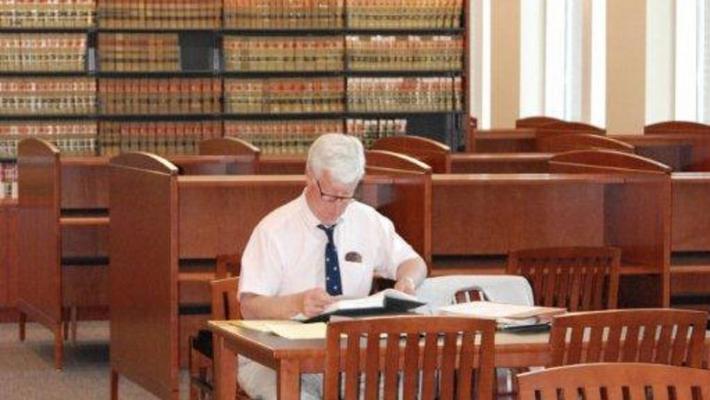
{"points": [[354, 199]]}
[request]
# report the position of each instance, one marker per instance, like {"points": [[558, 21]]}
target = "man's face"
{"points": [[327, 197]]}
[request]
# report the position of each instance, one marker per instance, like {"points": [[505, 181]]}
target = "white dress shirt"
{"points": [[285, 253]]}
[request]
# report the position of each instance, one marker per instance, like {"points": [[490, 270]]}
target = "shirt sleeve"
{"points": [[261, 267], [394, 249]]}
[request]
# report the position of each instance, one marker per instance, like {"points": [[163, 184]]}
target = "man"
{"points": [[319, 246]]}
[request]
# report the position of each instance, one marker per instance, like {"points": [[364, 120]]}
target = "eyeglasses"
{"points": [[333, 198]]}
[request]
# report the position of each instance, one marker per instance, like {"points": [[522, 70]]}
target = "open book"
{"points": [[508, 316], [389, 301]]}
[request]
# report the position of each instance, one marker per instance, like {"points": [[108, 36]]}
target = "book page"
{"points": [[300, 331], [491, 310], [262, 325]]}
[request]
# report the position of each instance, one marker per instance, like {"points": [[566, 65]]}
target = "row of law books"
{"points": [[404, 14], [369, 130], [27, 14], [157, 14], [292, 14], [8, 180], [404, 94], [56, 52], [155, 137], [273, 96], [139, 52], [73, 138], [160, 96], [404, 53], [47, 96], [282, 137], [283, 54]]}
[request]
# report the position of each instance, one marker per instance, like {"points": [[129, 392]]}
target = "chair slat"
{"points": [[352, 368]]}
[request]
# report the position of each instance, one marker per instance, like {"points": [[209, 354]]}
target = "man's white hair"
{"points": [[341, 155]]}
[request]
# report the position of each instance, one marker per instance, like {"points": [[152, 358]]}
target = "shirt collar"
{"points": [[310, 219]]}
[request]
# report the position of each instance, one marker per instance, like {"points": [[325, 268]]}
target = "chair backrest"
{"points": [[394, 351], [629, 381], [662, 336], [225, 304], [228, 265], [576, 278]]}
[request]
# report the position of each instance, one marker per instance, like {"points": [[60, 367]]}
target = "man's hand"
{"points": [[314, 301], [406, 285]]}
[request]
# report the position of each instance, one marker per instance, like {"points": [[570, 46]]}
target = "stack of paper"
{"points": [[285, 328], [505, 314]]}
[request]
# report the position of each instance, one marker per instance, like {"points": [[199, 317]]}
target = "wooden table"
{"points": [[291, 358]]}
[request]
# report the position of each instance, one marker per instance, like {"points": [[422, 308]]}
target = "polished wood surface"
{"points": [[8, 260], [580, 141], [664, 336], [605, 160], [499, 163], [574, 278], [431, 152], [467, 348], [535, 121], [144, 317], [632, 381], [501, 140]]}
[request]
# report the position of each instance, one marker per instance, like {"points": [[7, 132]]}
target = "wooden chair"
{"points": [[225, 305], [662, 336], [413, 352], [630, 381], [576, 278]]}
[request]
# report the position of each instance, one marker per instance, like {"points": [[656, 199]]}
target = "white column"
{"points": [[505, 63], [626, 66], [660, 66], [532, 58]]}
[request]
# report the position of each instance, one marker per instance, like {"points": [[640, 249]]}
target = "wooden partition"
{"points": [[478, 219], [440, 158], [431, 152], [535, 121], [162, 223], [638, 213], [63, 207], [8, 260], [63, 243]]}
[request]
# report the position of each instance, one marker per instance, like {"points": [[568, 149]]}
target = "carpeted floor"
{"points": [[27, 369]]}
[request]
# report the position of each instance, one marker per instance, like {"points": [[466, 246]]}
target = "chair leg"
{"points": [[21, 324], [194, 394], [73, 324], [114, 385], [58, 347], [65, 324]]}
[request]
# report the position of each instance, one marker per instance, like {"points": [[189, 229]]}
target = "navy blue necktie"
{"points": [[332, 265]]}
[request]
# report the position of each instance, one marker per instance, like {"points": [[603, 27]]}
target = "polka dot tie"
{"points": [[332, 265]]}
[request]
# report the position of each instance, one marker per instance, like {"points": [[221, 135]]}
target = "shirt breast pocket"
{"points": [[356, 277]]}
